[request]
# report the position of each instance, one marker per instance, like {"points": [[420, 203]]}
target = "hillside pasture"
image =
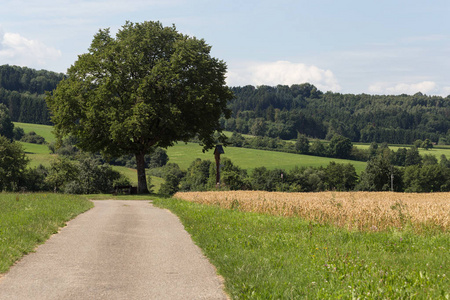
{"points": [[46, 131], [184, 154]]}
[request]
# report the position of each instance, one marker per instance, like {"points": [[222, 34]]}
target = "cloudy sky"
{"points": [[347, 46]]}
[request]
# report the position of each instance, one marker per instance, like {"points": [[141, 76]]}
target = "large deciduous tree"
{"points": [[148, 87]]}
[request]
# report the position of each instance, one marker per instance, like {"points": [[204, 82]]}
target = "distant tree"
{"points": [[427, 144], [258, 178], [429, 159], [444, 162], [236, 139], [302, 144], [148, 87], [13, 163], [157, 158], [412, 157], [340, 146], [418, 143], [18, 133], [6, 126], [172, 177], [340, 177], [197, 176], [379, 173], [258, 127], [61, 172], [373, 149], [425, 179], [398, 157], [318, 149], [232, 176]]}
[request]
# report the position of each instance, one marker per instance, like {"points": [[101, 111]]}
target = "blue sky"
{"points": [[346, 46]]}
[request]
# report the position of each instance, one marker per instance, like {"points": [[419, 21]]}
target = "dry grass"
{"points": [[353, 210]]}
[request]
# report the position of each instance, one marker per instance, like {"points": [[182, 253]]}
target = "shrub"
{"points": [[12, 164], [32, 137]]}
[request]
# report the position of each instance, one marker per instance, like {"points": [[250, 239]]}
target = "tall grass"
{"points": [[27, 220], [353, 210]]}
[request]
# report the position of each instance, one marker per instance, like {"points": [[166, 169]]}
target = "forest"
{"points": [[284, 111], [22, 91]]}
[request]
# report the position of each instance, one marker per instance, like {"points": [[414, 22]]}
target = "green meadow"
{"points": [[183, 154], [45, 131]]}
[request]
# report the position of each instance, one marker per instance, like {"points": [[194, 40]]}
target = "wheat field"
{"points": [[366, 211]]}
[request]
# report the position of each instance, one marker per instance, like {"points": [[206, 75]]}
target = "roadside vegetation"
{"points": [[263, 256], [27, 220]]}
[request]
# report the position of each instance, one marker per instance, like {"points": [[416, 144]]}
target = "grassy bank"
{"points": [[272, 257], [27, 220]]}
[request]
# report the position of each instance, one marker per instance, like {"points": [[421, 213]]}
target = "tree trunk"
{"points": [[142, 180]]}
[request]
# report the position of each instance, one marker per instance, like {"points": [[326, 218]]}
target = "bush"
{"points": [[18, 133], [33, 179], [12, 164], [172, 178], [32, 137], [197, 176], [93, 178]]}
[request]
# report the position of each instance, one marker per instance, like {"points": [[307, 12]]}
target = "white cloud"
{"points": [[425, 87], [445, 91], [17, 50], [282, 72]]}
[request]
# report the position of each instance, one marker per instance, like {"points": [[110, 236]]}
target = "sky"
{"points": [[347, 46]]}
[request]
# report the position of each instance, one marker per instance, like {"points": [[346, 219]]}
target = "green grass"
{"points": [[38, 154], [27, 220], [184, 154], [268, 257], [46, 131]]}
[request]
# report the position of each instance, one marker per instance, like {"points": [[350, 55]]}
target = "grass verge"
{"points": [[272, 257], [27, 220]]}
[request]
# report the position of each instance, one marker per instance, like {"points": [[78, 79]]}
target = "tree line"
{"points": [[22, 91], [284, 111], [424, 174]]}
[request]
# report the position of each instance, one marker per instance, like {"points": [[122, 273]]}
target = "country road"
{"points": [[117, 250]]}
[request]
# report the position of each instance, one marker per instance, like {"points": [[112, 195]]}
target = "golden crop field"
{"points": [[353, 210]]}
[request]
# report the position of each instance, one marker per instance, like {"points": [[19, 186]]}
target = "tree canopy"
{"points": [[148, 87]]}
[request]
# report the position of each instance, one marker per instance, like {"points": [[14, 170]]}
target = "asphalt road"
{"points": [[117, 250]]}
